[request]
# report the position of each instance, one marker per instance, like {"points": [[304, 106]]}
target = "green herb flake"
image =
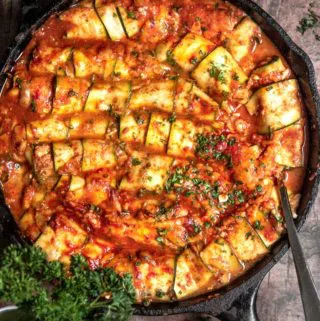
{"points": [[207, 225], [162, 231], [170, 58], [135, 161], [131, 15], [33, 106], [160, 293], [248, 234], [19, 82], [310, 22], [160, 240], [135, 53], [259, 188], [50, 292], [172, 118], [257, 225]]}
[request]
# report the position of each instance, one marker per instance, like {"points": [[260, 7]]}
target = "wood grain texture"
{"points": [[279, 297]]}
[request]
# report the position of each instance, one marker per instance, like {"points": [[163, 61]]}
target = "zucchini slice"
{"points": [[182, 96], [201, 105], [162, 50], [43, 166], [243, 41], [158, 132], [97, 154], [87, 63], [121, 70], [182, 138], [47, 130], [67, 157], [63, 183], [244, 241], [88, 125], [130, 23], [16, 182], [157, 273], [28, 224], [157, 94], [36, 94], [191, 275], [191, 50], [76, 183], [218, 255], [189, 99], [96, 248], [260, 220], [98, 185], [70, 95], [108, 96], [287, 147], [148, 172], [111, 20], [133, 127], [51, 60], [271, 72], [277, 105], [246, 168], [86, 24], [66, 238], [219, 74]]}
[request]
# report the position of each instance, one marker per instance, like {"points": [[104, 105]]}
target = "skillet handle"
{"points": [[244, 309]]}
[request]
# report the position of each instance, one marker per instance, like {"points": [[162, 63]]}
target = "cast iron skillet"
{"points": [[237, 300]]}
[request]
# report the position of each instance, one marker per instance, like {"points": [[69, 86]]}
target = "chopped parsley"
{"points": [[160, 240], [19, 82], [50, 292], [194, 60], [172, 118], [218, 72], [170, 59], [131, 15], [176, 8], [257, 225], [310, 22], [135, 161], [134, 53], [259, 188], [33, 106], [207, 225], [162, 231], [206, 147], [162, 211], [160, 293]]}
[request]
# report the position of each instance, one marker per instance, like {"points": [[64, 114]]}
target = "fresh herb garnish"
{"points": [[33, 106], [131, 15], [257, 225], [172, 118], [310, 22], [135, 161], [134, 53], [215, 146], [19, 82], [218, 72], [170, 59], [49, 292]]}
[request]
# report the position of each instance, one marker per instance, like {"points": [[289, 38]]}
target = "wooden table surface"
{"points": [[278, 298]]}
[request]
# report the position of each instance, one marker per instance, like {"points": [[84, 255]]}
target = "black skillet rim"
{"points": [[221, 300]]}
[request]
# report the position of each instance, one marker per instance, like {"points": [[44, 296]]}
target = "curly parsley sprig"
{"points": [[50, 292]]}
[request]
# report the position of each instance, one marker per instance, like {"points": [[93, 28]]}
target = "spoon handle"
{"points": [[310, 298]]}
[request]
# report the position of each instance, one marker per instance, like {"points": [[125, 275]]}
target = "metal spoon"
{"points": [[310, 298]]}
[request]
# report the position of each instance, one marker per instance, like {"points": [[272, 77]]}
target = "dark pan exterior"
{"points": [[238, 295]]}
